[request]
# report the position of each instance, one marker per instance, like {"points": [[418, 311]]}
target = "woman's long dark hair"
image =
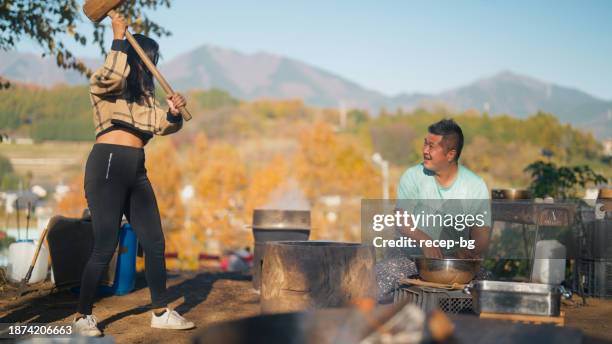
{"points": [[140, 83]]}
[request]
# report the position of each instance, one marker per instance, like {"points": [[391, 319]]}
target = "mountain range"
{"points": [[264, 75]]}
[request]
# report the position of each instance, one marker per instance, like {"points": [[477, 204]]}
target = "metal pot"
{"points": [[510, 194], [447, 270], [605, 193], [281, 219]]}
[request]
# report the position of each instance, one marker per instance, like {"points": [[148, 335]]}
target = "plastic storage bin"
{"points": [[20, 258], [549, 263], [125, 273]]}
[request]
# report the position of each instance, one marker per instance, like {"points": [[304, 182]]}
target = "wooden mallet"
{"points": [[97, 10]]}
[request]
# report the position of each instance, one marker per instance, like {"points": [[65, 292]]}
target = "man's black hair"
{"points": [[452, 135]]}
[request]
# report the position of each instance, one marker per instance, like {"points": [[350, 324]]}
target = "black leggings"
{"points": [[116, 183]]}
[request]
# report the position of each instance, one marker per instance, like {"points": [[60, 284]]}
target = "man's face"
{"points": [[435, 156]]}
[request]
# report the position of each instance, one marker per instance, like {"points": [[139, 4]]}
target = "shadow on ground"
{"points": [[194, 287]]}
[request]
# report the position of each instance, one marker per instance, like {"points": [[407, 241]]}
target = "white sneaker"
{"points": [[87, 326], [170, 319]]}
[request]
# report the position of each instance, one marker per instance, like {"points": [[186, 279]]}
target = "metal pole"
{"points": [[385, 175], [18, 224], [384, 166]]}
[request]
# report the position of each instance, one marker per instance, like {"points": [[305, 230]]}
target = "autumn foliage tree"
{"points": [[164, 172], [220, 187], [73, 202], [331, 165], [263, 182], [226, 192]]}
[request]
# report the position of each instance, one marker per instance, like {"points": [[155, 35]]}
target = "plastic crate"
{"points": [[426, 298], [597, 277]]}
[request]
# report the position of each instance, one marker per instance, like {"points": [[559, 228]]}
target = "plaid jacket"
{"points": [[109, 106]]}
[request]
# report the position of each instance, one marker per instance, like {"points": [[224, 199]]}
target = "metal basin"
{"points": [[510, 194], [447, 270], [516, 298], [281, 219]]}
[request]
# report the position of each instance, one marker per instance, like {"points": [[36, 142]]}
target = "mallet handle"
{"points": [[151, 66], [28, 275]]}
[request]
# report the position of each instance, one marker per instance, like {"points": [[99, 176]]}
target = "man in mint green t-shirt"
{"points": [[439, 185], [466, 195]]}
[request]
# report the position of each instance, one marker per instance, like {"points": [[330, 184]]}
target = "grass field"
{"points": [[55, 161], [49, 162]]}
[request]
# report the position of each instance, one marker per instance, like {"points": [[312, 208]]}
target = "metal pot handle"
{"points": [[565, 292], [468, 288]]}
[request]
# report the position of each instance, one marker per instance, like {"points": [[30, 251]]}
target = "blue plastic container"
{"points": [[125, 274]]}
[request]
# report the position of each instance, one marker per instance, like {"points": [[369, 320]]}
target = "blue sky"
{"points": [[407, 46]]}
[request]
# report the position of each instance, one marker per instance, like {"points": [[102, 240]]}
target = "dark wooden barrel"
{"points": [[276, 225], [265, 235], [288, 328], [299, 275], [320, 326]]}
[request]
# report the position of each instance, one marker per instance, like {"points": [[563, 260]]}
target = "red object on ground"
{"points": [[202, 256], [224, 263], [249, 258]]}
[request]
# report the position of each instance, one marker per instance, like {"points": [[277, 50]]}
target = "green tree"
{"points": [[560, 182], [47, 22], [394, 142], [59, 113], [214, 99], [357, 117], [8, 179]]}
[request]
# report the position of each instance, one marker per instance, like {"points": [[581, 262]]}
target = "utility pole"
{"points": [[384, 166]]}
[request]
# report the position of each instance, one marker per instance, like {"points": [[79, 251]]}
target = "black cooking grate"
{"points": [[426, 298]]}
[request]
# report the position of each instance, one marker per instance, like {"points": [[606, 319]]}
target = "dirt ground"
{"points": [[208, 297], [204, 297], [594, 319]]}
